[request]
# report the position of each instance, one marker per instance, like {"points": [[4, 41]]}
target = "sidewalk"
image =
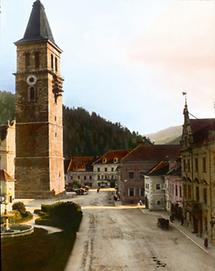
{"points": [[198, 241]]}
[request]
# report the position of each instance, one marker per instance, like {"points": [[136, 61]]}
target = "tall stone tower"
{"points": [[39, 168]]}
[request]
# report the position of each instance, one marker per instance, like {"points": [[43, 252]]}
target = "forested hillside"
{"points": [[84, 133], [7, 106], [89, 134]]}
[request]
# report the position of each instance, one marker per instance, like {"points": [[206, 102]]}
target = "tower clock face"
{"points": [[31, 80]]}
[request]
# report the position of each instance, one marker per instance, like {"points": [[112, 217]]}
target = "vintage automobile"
{"points": [[163, 223]]}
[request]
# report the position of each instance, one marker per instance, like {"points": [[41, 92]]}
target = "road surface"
{"points": [[115, 238]]}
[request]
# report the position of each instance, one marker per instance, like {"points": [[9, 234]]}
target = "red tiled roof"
{"points": [[4, 176], [80, 163], [160, 168], [111, 155], [146, 152], [200, 129]]}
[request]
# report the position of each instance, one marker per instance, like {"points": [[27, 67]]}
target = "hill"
{"points": [[171, 135]]}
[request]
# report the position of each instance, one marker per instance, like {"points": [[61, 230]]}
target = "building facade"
{"points": [[198, 172], [7, 148], [174, 191], [39, 167], [136, 164], [106, 168], [155, 186], [6, 191], [80, 170]]}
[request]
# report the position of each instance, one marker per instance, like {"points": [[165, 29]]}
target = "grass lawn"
{"points": [[39, 251]]}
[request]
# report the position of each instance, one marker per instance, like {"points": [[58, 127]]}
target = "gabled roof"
{"points": [[80, 163], [38, 28], [176, 171], [5, 177], [161, 168], [200, 129], [110, 156], [146, 152]]}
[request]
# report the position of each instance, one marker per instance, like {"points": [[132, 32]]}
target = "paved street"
{"points": [[115, 238]]}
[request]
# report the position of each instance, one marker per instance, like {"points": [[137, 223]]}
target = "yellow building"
{"points": [[6, 190], [7, 147], [198, 172]]}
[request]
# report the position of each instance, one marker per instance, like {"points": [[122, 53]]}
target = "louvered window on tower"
{"points": [[52, 62], [37, 59], [56, 64], [27, 60]]}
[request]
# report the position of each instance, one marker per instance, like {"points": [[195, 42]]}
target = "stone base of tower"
{"points": [[34, 180], [19, 194]]}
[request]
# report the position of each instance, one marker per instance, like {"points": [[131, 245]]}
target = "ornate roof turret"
{"points": [[187, 137], [38, 28]]}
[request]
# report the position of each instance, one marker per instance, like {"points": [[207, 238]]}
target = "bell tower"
{"points": [[39, 170]]}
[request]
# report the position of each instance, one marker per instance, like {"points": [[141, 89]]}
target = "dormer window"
{"points": [[115, 160], [104, 160]]}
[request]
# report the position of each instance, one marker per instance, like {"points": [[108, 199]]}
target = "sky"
{"points": [[127, 60]]}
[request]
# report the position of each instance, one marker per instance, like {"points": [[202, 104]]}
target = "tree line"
{"points": [[84, 133]]}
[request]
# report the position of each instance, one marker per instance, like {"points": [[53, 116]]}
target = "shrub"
{"points": [[19, 206], [65, 215]]}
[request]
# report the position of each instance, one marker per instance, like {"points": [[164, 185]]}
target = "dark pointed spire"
{"points": [[38, 28]]}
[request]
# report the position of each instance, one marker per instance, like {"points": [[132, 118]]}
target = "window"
{"points": [[85, 177], [158, 186], [37, 59], [112, 169], [147, 186], [141, 191], [31, 94], [185, 191], [214, 163], [78, 177], [105, 169], [196, 165], [197, 193], [189, 192], [205, 195], [176, 190], [56, 64], [204, 164], [98, 169], [180, 192], [52, 62], [90, 177], [131, 175], [98, 177], [131, 192], [188, 165], [184, 165], [141, 175], [27, 60], [158, 202]]}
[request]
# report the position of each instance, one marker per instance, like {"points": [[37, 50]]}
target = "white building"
{"points": [[105, 168], [155, 186]]}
